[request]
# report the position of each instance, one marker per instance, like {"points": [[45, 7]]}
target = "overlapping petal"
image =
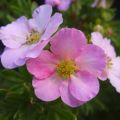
{"points": [[104, 75], [84, 86], [47, 89], [42, 66], [91, 59], [66, 95], [52, 26], [36, 49], [104, 43]]}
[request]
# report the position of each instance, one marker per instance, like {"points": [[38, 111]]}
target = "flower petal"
{"points": [[43, 66], [104, 75], [36, 49], [92, 59], [66, 96], [42, 15], [103, 43], [46, 89], [53, 2], [14, 35], [52, 26], [114, 73], [84, 86], [12, 58], [67, 43], [64, 5]]}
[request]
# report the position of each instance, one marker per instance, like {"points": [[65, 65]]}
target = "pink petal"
{"points": [[47, 89], [104, 75], [12, 58], [114, 74], [43, 66], [92, 59], [14, 35], [53, 2], [84, 86], [103, 43], [64, 5], [52, 26], [42, 15], [66, 96], [67, 43]]}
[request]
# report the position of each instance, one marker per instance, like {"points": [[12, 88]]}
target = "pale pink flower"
{"points": [[112, 71], [69, 71], [25, 38], [62, 5]]}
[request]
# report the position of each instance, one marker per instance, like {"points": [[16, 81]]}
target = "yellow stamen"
{"points": [[66, 68], [33, 38]]}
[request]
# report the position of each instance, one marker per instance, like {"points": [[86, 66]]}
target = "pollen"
{"points": [[34, 37], [66, 68], [109, 63]]}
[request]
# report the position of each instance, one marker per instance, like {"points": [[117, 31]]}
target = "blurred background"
{"points": [[17, 100]]}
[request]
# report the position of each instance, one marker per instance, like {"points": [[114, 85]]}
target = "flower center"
{"points": [[109, 63], [33, 38], [66, 68]]}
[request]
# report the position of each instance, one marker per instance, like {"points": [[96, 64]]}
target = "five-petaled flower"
{"points": [[69, 71], [25, 38], [112, 70]]}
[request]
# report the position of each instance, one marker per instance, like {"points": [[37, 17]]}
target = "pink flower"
{"points": [[62, 5], [112, 71], [25, 38], [69, 71]]}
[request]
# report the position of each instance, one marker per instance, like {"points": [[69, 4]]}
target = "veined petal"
{"points": [[84, 86], [66, 96], [42, 66], [52, 26], [14, 35], [92, 59], [46, 89], [42, 15], [67, 43]]}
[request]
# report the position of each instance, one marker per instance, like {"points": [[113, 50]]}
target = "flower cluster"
{"points": [[70, 69]]}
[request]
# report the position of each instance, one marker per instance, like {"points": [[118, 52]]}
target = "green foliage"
{"points": [[12, 9], [17, 99]]}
